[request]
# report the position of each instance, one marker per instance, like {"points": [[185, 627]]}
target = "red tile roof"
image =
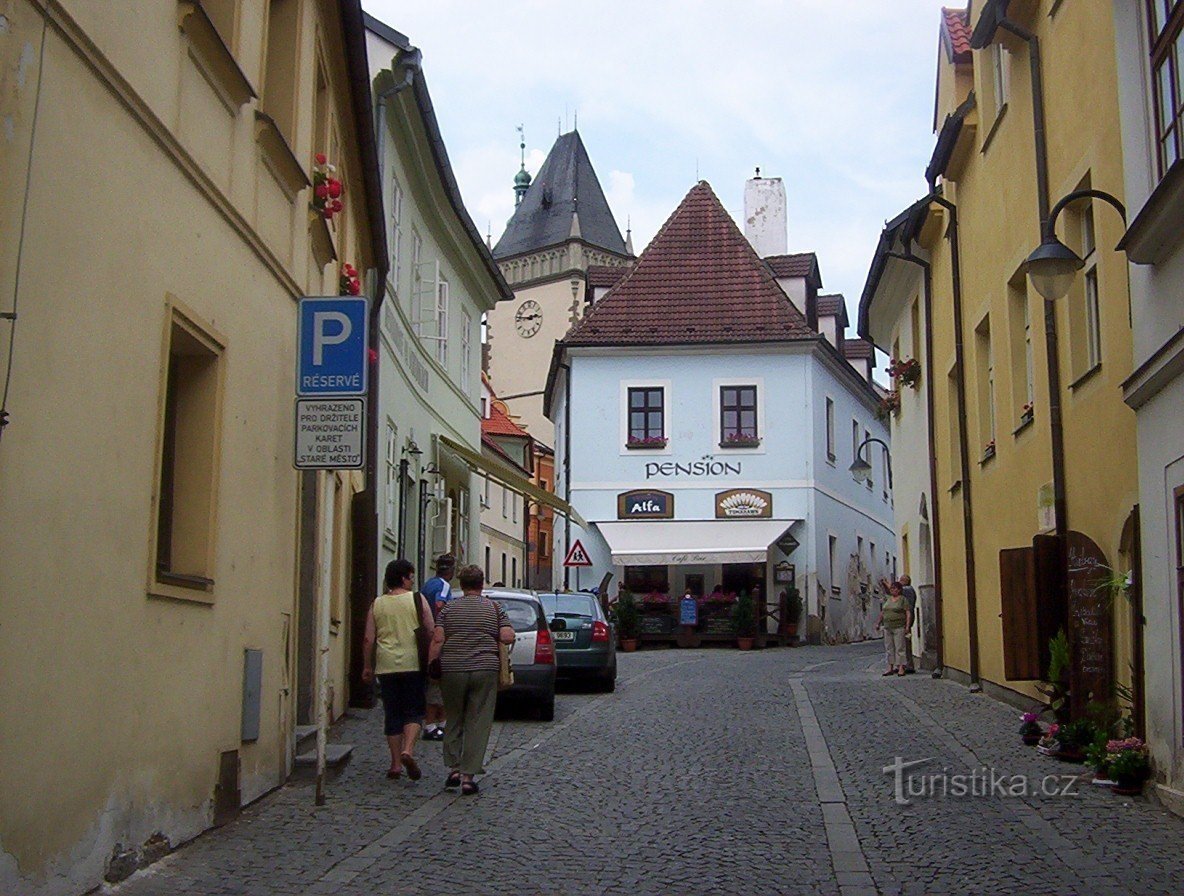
{"points": [[799, 264], [498, 423], [698, 281], [955, 34], [832, 306], [606, 275], [859, 348]]}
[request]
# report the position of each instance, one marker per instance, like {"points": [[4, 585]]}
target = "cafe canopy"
{"points": [[680, 542]]}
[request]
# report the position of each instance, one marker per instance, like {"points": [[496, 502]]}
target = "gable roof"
{"points": [[859, 348], [565, 186], [698, 281], [499, 423], [799, 264], [833, 305], [955, 34]]}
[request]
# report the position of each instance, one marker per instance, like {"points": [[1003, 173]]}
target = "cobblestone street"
{"points": [[708, 771]]}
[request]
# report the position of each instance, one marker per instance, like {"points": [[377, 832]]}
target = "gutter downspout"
{"points": [[1056, 427], [963, 443], [935, 531], [566, 368]]}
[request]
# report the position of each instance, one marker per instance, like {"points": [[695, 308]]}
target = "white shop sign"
{"points": [[330, 433]]}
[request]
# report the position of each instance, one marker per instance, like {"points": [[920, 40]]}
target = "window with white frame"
{"points": [[442, 321], [396, 231], [996, 81], [391, 515], [1093, 331], [833, 548], [466, 349], [1166, 20], [505, 502], [830, 429], [870, 484], [854, 441], [514, 507], [417, 284]]}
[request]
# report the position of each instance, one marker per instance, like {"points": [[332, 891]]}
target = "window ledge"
{"points": [[278, 156], [647, 446], [988, 456], [1085, 377], [990, 135], [212, 56], [190, 589], [1025, 422], [955, 487], [746, 443], [1156, 231]]}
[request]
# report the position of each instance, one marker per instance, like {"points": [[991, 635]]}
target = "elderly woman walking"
{"points": [[466, 641], [896, 617], [397, 624]]}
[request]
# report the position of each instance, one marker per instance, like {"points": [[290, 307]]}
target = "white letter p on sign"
{"points": [[320, 338]]}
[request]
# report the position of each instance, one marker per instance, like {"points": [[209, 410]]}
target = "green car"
{"points": [[585, 642]]}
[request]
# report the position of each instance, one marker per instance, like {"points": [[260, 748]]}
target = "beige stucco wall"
{"points": [[142, 195]]}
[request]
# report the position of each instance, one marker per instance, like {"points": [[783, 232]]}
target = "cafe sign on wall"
{"points": [[743, 503], [645, 504]]}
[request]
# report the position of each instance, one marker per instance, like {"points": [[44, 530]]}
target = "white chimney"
{"points": [[764, 215]]}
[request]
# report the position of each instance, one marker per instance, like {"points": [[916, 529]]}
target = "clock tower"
{"points": [[561, 226]]}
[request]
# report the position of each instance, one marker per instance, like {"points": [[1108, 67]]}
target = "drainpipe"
{"points": [[935, 530], [963, 440], [1056, 428], [566, 368]]}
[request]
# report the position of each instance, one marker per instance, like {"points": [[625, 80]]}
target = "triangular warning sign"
{"points": [[577, 556]]}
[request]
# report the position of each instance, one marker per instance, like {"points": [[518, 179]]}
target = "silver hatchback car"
{"points": [[533, 655]]}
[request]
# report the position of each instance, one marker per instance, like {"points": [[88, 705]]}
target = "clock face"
{"points": [[528, 318]]}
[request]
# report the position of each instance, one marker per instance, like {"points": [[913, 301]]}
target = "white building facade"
{"points": [[704, 432]]}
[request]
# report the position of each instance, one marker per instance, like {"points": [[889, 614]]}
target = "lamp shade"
{"points": [[1052, 267], [860, 469]]}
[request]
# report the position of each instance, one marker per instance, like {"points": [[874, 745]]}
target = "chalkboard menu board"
{"points": [[1091, 636]]}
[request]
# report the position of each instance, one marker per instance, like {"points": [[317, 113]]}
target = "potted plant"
{"points": [[1097, 757], [1030, 729], [889, 404], [793, 611], [1050, 745], [1129, 765], [744, 619], [907, 371], [628, 622], [1056, 688], [1075, 738]]}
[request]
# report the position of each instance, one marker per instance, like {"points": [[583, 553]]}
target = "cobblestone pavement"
{"points": [[708, 771]]}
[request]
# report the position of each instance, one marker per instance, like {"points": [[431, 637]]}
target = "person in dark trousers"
{"points": [[466, 642], [910, 595], [438, 591]]}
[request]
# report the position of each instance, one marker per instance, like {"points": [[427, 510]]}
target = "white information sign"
{"points": [[330, 433]]}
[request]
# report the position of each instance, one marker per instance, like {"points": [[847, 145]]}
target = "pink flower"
{"points": [[334, 188], [321, 158]]}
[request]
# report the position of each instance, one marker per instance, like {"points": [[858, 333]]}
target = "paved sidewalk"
{"points": [[708, 771]]}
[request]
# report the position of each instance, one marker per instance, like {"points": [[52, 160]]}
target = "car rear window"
{"points": [[568, 605], [523, 615]]}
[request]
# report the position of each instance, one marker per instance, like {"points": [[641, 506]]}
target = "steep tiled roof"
{"points": [[606, 275], [498, 423], [955, 34], [833, 306], [698, 281], [800, 264], [565, 185], [859, 348]]}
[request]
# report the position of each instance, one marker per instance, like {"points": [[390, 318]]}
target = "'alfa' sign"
{"points": [[643, 504]]}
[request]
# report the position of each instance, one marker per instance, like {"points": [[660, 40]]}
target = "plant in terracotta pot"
{"points": [[793, 610], [1030, 729], [1129, 765], [744, 619], [628, 621]]}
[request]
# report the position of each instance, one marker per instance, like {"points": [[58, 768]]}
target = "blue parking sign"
{"points": [[332, 346]]}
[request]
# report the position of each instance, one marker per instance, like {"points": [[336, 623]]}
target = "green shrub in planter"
{"points": [[744, 616]]}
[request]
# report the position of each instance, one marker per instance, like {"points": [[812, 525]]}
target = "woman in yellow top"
{"points": [[391, 626], [896, 618]]}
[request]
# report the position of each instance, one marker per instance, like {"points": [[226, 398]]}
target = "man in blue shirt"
{"points": [[437, 591]]}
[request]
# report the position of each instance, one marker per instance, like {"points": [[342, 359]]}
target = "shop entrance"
{"points": [[744, 578]]}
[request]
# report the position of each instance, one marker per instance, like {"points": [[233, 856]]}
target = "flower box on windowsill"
{"points": [[752, 442], [646, 443], [988, 452]]}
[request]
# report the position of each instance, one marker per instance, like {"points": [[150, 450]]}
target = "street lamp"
{"points": [[1053, 265], [861, 469]]}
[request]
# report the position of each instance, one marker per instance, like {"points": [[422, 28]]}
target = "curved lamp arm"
{"points": [[859, 457], [1081, 194]]}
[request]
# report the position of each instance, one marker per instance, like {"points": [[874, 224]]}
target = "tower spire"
{"points": [[522, 178]]}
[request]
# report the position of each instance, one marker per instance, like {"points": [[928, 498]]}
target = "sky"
{"points": [[833, 96]]}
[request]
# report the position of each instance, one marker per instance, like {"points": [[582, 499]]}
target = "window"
{"points": [[442, 321], [832, 547], [830, 429], [396, 231], [737, 411], [514, 507], [392, 477], [544, 544], [485, 502], [854, 441], [647, 414], [867, 435], [505, 502], [1085, 340], [915, 328], [188, 457], [996, 81], [1166, 18], [985, 362], [884, 470], [954, 416], [416, 278], [280, 65], [1019, 318], [466, 349], [503, 578]]}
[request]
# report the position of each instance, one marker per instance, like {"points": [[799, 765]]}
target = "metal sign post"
{"points": [[331, 382]]}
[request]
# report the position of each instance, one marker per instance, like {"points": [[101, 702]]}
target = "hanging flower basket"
{"points": [[349, 283], [889, 404], [326, 188], [906, 371]]}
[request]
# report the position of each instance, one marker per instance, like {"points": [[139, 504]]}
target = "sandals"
{"points": [[468, 788], [453, 780], [393, 774], [412, 767], [886, 674]]}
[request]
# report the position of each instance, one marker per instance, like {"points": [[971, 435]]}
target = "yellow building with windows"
{"points": [[157, 547], [1031, 464]]}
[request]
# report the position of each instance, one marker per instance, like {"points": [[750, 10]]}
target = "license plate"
{"points": [[565, 636]]}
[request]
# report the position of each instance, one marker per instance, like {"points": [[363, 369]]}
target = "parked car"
{"points": [[585, 642], [533, 656]]}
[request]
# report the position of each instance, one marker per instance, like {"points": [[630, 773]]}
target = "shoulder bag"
{"points": [[423, 640], [505, 671]]}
